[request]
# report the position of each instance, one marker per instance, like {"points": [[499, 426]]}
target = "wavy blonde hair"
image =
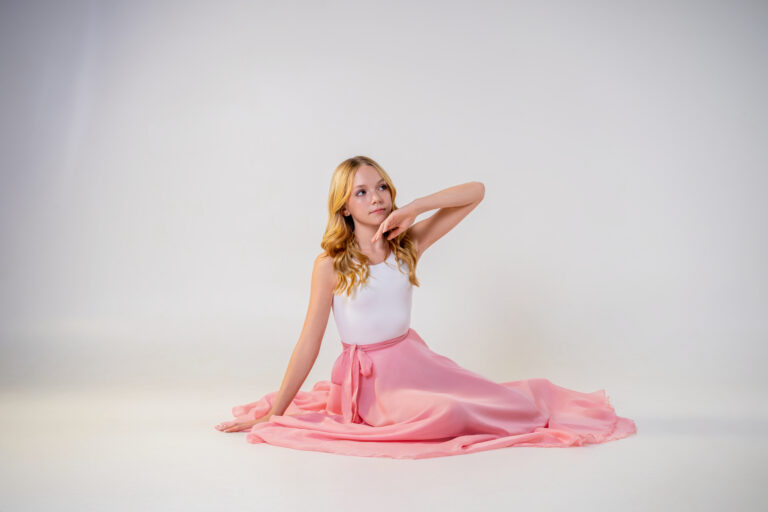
{"points": [[339, 240]]}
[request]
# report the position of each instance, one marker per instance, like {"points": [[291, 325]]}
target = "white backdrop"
{"points": [[165, 170]]}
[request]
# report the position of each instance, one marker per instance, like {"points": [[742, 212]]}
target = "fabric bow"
{"points": [[359, 365]]}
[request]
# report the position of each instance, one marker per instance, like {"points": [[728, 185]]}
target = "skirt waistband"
{"points": [[357, 366], [379, 344]]}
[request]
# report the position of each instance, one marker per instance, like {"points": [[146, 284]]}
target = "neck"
{"points": [[363, 235]]}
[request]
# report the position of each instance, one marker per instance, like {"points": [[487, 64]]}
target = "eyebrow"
{"points": [[382, 179]]}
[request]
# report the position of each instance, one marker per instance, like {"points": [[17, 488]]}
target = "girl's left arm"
{"points": [[454, 204]]}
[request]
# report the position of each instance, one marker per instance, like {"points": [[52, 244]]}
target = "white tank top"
{"points": [[378, 310]]}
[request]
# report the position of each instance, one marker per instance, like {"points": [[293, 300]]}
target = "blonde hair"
{"points": [[339, 240]]}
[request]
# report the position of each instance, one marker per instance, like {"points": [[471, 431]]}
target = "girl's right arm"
{"points": [[306, 350]]}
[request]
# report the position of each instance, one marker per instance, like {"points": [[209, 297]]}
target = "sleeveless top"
{"points": [[378, 310]]}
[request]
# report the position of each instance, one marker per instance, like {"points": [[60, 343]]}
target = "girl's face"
{"points": [[371, 199]]}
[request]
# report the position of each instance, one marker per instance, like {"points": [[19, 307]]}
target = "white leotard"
{"points": [[378, 310]]}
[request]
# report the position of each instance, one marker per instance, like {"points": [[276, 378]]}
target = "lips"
{"points": [[380, 210]]}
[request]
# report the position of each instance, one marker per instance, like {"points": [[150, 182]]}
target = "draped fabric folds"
{"points": [[399, 399]]}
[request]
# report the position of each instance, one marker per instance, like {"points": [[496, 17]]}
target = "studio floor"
{"points": [[128, 450]]}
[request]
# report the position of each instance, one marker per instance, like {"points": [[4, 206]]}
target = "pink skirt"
{"points": [[399, 399]]}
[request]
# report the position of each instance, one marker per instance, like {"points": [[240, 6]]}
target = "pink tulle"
{"points": [[399, 399]]}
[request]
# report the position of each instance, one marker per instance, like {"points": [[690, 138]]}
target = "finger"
{"points": [[378, 233]]}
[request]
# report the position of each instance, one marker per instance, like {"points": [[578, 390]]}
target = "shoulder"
{"points": [[323, 270], [323, 261]]}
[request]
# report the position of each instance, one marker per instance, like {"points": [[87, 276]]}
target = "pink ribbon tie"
{"points": [[359, 365]]}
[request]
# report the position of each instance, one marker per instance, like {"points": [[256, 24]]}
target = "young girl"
{"points": [[389, 394]]}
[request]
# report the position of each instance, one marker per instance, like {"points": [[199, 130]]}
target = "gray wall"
{"points": [[165, 170]]}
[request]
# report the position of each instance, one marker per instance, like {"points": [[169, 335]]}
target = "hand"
{"points": [[237, 426], [396, 222]]}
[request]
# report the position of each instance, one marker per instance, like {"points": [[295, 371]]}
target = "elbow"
{"points": [[481, 188], [311, 343]]}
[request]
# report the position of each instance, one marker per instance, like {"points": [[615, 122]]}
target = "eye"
{"points": [[362, 190]]}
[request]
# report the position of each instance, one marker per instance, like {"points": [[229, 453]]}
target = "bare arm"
{"points": [[308, 346], [454, 204]]}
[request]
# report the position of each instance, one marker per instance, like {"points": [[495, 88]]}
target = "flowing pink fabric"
{"points": [[399, 399]]}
